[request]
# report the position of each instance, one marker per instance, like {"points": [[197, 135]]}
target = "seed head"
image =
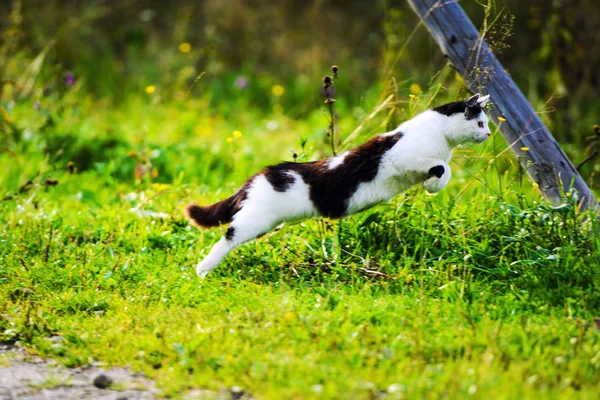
{"points": [[327, 81], [335, 70], [71, 167], [597, 129]]}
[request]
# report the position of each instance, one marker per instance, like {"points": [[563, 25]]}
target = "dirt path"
{"points": [[27, 377]]}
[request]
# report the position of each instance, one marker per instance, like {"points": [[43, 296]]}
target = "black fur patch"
{"points": [[230, 232], [279, 177], [438, 171], [331, 189], [459, 107], [218, 213]]}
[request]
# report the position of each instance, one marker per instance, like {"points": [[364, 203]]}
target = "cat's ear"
{"points": [[472, 101], [483, 101]]}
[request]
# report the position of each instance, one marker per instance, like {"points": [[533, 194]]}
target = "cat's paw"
{"points": [[433, 184], [202, 270]]}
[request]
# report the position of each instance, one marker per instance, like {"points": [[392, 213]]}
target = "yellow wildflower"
{"points": [[5, 114], [568, 194], [415, 88], [535, 185], [237, 134], [204, 129], [501, 119], [278, 90], [160, 186], [229, 140], [412, 96], [185, 47], [524, 148], [289, 316], [150, 89]]}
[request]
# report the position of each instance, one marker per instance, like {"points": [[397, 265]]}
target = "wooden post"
{"points": [[539, 153]]}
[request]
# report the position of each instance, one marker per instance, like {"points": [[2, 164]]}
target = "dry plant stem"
{"points": [[332, 126], [359, 128], [587, 159]]}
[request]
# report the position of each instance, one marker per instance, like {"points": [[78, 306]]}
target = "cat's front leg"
{"points": [[438, 177]]}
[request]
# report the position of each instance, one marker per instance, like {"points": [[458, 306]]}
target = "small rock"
{"points": [[237, 393], [21, 293], [55, 339], [102, 381]]}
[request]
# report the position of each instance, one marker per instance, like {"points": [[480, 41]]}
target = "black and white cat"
{"points": [[418, 151]]}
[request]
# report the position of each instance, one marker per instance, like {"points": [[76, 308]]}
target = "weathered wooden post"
{"points": [[539, 153]]}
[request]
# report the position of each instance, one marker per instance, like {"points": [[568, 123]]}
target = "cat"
{"points": [[417, 151]]}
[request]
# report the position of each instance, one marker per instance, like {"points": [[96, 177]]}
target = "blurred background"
{"points": [[270, 56]]}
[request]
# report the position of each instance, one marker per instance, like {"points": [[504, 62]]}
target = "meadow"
{"points": [[484, 290]]}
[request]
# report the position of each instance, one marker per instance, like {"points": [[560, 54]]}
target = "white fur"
{"points": [[263, 209], [337, 160], [427, 141], [483, 101]]}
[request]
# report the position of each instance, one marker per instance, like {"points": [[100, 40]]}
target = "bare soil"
{"points": [[23, 376]]}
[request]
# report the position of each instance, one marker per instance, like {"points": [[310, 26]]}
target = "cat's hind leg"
{"points": [[248, 224], [218, 252], [275, 197]]}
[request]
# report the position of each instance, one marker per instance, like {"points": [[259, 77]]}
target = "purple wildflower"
{"points": [[241, 82], [37, 105], [70, 79]]}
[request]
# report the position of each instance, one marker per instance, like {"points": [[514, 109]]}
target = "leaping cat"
{"points": [[417, 151]]}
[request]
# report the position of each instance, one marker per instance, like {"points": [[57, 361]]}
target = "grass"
{"points": [[482, 291]]}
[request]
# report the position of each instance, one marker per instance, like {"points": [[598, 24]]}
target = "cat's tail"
{"points": [[215, 214]]}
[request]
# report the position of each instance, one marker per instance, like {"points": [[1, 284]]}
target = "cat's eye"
{"points": [[480, 124]]}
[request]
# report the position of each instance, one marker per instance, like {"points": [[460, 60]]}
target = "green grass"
{"points": [[482, 291]]}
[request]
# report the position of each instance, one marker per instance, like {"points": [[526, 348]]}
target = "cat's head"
{"points": [[467, 121]]}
